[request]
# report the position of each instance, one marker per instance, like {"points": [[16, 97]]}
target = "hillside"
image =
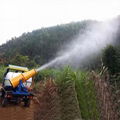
{"points": [[65, 94], [42, 45]]}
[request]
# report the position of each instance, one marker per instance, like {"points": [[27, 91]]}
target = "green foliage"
{"points": [[84, 90], [65, 76], [77, 93], [47, 73], [86, 96], [69, 103], [111, 59], [41, 45], [2, 71], [21, 60]]}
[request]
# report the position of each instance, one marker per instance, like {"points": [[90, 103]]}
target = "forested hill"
{"points": [[40, 46]]}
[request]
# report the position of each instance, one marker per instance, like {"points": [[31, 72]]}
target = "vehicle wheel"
{"points": [[26, 102], [17, 101], [0, 94], [4, 102], [0, 97]]}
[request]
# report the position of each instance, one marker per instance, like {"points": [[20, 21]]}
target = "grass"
{"points": [[2, 71], [86, 96], [77, 93]]}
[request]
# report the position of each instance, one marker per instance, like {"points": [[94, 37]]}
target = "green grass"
{"points": [[47, 73], [79, 89], [86, 96], [65, 79], [2, 71]]}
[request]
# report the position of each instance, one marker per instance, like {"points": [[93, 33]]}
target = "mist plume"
{"points": [[96, 37]]}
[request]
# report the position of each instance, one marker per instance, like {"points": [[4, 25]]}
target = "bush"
{"points": [[111, 59], [47, 73], [21, 60], [2, 71]]}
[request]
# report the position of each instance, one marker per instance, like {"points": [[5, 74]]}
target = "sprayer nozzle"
{"points": [[23, 76]]}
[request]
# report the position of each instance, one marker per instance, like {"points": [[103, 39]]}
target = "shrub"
{"points": [[2, 71], [86, 96], [111, 59]]}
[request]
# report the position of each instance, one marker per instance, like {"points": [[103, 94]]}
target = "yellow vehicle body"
{"points": [[19, 68]]}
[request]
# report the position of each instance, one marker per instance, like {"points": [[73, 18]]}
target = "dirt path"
{"points": [[49, 104], [13, 112]]}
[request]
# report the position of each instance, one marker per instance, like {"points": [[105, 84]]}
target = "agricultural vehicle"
{"points": [[16, 85]]}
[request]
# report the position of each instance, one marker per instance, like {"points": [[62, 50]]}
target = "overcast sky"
{"points": [[19, 16]]}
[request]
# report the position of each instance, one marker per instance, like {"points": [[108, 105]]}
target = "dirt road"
{"points": [[48, 104], [14, 112]]}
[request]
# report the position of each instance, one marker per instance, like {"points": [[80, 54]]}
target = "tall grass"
{"points": [[65, 80], [47, 73], [77, 93], [86, 96], [84, 90], [2, 71]]}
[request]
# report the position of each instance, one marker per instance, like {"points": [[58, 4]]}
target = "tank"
{"points": [[23, 77], [11, 75]]}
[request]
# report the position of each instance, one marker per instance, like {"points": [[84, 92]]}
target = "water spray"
{"points": [[85, 46], [90, 43]]}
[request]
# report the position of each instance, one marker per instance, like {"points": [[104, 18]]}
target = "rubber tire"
{"points": [[4, 102], [27, 103]]}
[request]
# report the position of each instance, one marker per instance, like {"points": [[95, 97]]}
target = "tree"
{"points": [[111, 59], [22, 61]]}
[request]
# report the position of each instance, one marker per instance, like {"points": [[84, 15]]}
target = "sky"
{"points": [[19, 16]]}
